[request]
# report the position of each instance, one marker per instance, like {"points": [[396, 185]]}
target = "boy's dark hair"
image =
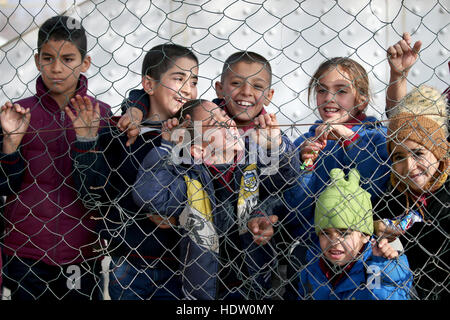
{"points": [[162, 57], [359, 76], [248, 57], [63, 28]]}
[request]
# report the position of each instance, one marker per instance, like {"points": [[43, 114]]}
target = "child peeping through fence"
{"points": [[415, 206], [48, 231]]}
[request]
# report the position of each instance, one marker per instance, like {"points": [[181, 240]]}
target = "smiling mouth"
{"points": [[244, 104], [335, 254], [415, 176], [181, 100]]}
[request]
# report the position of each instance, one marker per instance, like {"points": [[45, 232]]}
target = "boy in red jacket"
{"points": [[49, 235]]}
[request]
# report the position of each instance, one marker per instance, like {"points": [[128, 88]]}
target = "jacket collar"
{"points": [[47, 100]]}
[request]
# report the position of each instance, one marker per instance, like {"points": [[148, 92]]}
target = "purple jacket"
{"points": [[45, 220]]}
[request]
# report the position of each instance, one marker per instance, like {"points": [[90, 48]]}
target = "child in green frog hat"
{"points": [[351, 265]]}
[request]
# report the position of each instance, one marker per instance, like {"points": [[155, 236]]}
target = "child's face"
{"points": [[246, 90], [176, 86], [336, 97], [221, 138], [60, 65], [414, 164], [341, 246]]}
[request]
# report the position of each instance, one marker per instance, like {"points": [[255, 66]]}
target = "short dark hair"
{"points": [[248, 57], [63, 28], [161, 58]]}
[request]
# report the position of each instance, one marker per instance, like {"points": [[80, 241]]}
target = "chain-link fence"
{"points": [[90, 214]]}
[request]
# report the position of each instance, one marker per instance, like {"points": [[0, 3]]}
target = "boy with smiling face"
{"points": [[415, 206], [49, 235]]}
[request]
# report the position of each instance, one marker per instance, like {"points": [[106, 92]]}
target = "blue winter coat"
{"points": [[187, 192], [368, 154], [370, 278]]}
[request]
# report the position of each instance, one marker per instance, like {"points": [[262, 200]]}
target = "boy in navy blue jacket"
{"points": [[143, 247], [218, 198]]}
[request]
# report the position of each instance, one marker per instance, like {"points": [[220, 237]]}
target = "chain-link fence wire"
{"points": [[295, 37]]}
